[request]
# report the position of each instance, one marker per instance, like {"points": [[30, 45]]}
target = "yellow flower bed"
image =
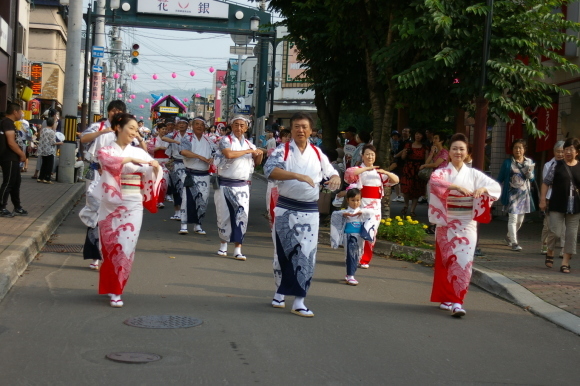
{"points": [[402, 231]]}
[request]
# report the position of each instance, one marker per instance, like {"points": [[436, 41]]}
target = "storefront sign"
{"points": [[4, 32], [204, 8], [167, 109], [96, 92], [36, 78]]}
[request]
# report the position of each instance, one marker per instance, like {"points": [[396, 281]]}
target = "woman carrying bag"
{"points": [[516, 174], [564, 178]]}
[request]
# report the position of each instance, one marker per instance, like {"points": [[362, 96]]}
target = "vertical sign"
{"points": [[36, 78], [220, 77], [96, 93]]}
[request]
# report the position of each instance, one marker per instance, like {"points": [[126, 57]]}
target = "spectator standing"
{"points": [[516, 175], [10, 157], [415, 154], [546, 233], [47, 150], [564, 179]]}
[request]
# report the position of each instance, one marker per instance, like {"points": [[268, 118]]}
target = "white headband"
{"points": [[201, 120], [238, 118]]}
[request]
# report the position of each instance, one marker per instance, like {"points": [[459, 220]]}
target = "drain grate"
{"points": [[133, 357], [67, 248], [163, 321]]}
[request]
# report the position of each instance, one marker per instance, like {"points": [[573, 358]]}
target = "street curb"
{"points": [[511, 291], [16, 257]]}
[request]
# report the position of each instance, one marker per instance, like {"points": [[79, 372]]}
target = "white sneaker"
{"points": [[399, 199], [169, 198]]}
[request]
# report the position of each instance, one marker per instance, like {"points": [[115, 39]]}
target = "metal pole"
{"points": [[263, 77], [238, 78], [481, 104], [84, 108], [274, 44], [71, 89]]}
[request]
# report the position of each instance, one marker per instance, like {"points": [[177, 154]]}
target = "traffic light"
{"points": [[135, 53]]}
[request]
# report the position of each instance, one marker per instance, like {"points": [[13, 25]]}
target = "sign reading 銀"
{"points": [[200, 8]]}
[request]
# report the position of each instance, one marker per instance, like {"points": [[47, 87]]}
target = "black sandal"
{"points": [[565, 269], [550, 261], [412, 214], [404, 210]]}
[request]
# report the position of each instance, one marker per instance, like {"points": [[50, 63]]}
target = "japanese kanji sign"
{"points": [[200, 8]]}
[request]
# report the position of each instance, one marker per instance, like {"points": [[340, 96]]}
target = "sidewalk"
{"points": [[521, 277], [21, 237]]}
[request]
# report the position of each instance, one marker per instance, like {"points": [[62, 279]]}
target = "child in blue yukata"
{"points": [[350, 227]]}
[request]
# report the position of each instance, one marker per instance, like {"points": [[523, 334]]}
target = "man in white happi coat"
{"points": [[176, 140], [198, 156], [235, 159], [299, 168]]}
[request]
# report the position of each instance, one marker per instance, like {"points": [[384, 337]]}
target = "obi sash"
{"points": [[459, 205], [198, 173], [372, 192], [231, 182], [131, 183], [298, 206], [177, 160], [353, 227]]}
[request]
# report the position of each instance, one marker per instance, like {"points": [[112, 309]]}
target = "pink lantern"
{"points": [[174, 75], [134, 77], [120, 95], [141, 106], [119, 90], [148, 119], [155, 77], [133, 96], [116, 76], [192, 73], [146, 100], [140, 117], [129, 101], [198, 95], [185, 100], [211, 69]]}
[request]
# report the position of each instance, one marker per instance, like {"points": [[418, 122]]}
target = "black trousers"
{"points": [[10, 183], [46, 167]]}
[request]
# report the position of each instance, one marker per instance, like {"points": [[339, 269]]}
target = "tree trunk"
{"points": [[328, 107]]}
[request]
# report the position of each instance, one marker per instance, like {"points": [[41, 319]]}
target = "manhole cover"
{"points": [[133, 357], [68, 248], [163, 321]]}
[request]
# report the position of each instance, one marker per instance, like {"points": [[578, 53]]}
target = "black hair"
{"points": [[368, 146], [459, 137], [442, 135], [352, 193], [300, 116], [161, 125], [12, 107], [50, 122], [285, 133], [573, 142], [121, 120], [140, 121], [521, 142], [364, 136], [117, 105]]}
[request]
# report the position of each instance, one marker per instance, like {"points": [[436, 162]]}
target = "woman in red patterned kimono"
{"points": [[460, 197], [130, 180]]}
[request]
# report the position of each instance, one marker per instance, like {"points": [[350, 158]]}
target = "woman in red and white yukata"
{"points": [[130, 180], [370, 180], [460, 196]]}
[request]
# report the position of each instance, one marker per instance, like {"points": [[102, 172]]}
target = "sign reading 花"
{"points": [[200, 8], [36, 78]]}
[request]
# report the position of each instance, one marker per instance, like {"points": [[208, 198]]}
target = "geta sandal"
{"points": [[565, 269], [305, 312], [278, 303]]}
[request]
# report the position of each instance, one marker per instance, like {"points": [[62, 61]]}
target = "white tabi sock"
{"points": [[298, 303], [115, 297], [279, 297], [196, 227], [224, 247], [177, 213], [349, 277], [184, 227], [237, 251], [96, 261]]}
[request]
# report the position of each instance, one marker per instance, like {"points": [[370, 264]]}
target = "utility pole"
{"points": [[97, 85], [71, 91]]}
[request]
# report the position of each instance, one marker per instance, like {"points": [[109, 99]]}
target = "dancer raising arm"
{"points": [[130, 180]]}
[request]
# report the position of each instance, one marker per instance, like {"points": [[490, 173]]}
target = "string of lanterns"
{"points": [[155, 76]]}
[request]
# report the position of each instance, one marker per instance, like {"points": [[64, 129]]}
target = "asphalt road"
{"points": [[56, 330]]}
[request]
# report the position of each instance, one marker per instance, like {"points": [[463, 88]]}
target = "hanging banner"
{"points": [[96, 93]]}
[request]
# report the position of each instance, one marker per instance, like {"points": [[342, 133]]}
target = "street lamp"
{"points": [[254, 25]]}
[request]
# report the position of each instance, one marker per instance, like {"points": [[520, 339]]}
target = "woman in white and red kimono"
{"points": [[371, 181], [460, 197], [130, 180]]}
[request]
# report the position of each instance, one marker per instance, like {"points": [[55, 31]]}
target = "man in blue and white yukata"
{"points": [[198, 156], [177, 139], [299, 167], [235, 160]]}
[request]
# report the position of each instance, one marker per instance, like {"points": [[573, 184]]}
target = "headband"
{"points": [[238, 118]]}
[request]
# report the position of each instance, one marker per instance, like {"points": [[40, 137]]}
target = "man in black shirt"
{"points": [[10, 157]]}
